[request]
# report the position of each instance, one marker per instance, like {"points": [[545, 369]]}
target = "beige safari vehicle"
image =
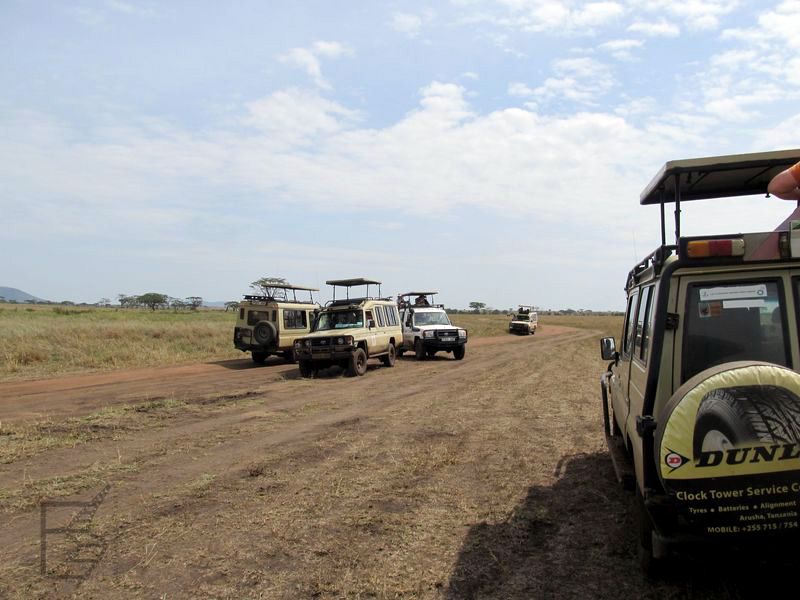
{"points": [[701, 400], [525, 321], [269, 324], [350, 331]]}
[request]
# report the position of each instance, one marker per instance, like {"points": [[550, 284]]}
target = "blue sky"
{"points": [[491, 149]]}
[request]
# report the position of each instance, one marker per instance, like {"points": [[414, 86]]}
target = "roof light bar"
{"points": [[709, 248]]}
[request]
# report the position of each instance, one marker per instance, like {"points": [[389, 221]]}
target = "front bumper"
{"points": [[443, 343], [324, 350]]}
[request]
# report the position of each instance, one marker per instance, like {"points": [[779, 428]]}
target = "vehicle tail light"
{"points": [[708, 248]]}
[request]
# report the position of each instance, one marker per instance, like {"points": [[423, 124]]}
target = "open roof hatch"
{"points": [[713, 177]]}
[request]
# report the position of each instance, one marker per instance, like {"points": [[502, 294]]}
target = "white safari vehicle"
{"points": [[525, 321], [350, 331], [427, 328], [269, 323], [701, 400]]}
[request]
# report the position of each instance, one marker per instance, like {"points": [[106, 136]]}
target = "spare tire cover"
{"points": [[264, 332], [728, 449]]}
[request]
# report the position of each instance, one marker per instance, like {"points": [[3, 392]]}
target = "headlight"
{"points": [[427, 334], [462, 333], [348, 339], [340, 341], [297, 343], [307, 343]]}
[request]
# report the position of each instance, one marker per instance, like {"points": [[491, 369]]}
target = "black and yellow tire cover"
{"points": [[736, 419]]}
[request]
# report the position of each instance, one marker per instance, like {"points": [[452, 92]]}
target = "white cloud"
{"points": [[411, 24], [552, 16], [308, 59], [695, 14], [621, 49], [661, 28], [583, 80]]}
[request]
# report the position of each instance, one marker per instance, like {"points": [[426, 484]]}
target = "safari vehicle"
{"points": [[701, 401], [350, 331], [525, 321], [269, 323], [427, 328]]}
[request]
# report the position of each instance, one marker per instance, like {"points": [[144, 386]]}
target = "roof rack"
{"points": [[713, 177], [285, 297], [348, 283]]}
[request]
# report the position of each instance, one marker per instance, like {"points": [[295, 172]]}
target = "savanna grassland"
{"points": [[45, 341]]}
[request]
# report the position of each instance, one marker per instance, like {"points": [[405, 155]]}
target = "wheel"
{"points": [[288, 356], [419, 349], [259, 357], [264, 333], [458, 353], [735, 416], [306, 368], [358, 363], [388, 360]]}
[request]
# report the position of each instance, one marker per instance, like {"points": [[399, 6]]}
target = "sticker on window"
{"points": [[749, 303], [709, 309], [733, 292]]}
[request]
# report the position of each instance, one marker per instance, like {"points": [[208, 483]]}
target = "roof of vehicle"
{"points": [[717, 176], [417, 294], [352, 282]]}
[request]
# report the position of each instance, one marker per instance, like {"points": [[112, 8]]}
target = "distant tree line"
{"points": [[156, 301]]}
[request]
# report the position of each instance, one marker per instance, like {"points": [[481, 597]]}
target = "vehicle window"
{"points": [[391, 315], [368, 317], [339, 319], [379, 315], [640, 340], [629, 323], [241, 314], [431, 318], [522, 318], [733, 321], [294, 319], [254, 316], [274, 316]]}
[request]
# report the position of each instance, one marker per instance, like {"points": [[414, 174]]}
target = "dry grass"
{"points": [[43, 341]]}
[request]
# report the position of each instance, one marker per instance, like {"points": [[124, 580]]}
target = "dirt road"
{"points": [[485, 478]]}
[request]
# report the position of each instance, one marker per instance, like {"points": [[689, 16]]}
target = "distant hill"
{"points": [[10, 294]]}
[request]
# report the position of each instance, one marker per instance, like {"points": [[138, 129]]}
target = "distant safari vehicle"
{"points": [[427, 328], [526, 321], [350, 331], [269, 324]]}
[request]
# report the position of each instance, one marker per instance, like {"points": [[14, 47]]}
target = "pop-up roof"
{"points": [[417, 294], [348, 283], [714, 177]]}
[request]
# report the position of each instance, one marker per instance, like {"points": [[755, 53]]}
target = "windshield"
{"points": [[522, 318], [431, 318], [340, 319], [733, 321]]}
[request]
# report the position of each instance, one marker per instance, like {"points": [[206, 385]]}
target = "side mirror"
{"points": [[371, 323], [608, 348]]}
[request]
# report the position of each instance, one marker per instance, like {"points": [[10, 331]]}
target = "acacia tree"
{"points": [[266, 285], [194, 302], [477, 306], [232, 305], [152, 300]]}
